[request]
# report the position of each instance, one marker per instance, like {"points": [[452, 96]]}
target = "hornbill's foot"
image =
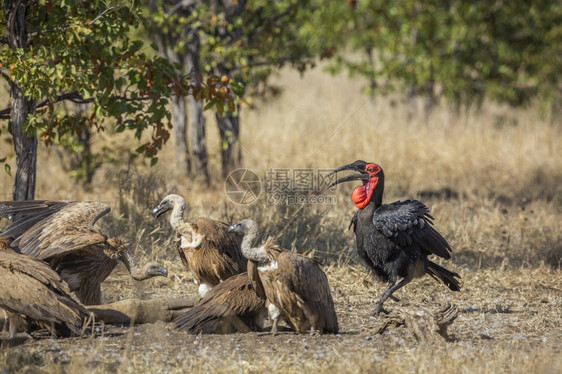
{"points": [[379, 309]]}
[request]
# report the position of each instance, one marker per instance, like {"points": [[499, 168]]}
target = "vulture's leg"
{"points": [[274, 327], [313, 331], [12, 330], [18, 322], [6, 322], [274, 315]]}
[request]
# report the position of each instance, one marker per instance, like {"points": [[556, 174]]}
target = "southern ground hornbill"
{"points": [[394, 239]]}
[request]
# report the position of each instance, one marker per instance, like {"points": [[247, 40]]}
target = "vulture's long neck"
{"points": [[176, 217], [257, 254], [133, 267]]}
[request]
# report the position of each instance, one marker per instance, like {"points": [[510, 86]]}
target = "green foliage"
{"points": [[509, 51], [243, 42], [83, 52]]}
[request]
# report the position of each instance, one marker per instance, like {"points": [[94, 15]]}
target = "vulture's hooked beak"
{"points": [[160, 209], [358, 166], [158, 270], [231, 228]]}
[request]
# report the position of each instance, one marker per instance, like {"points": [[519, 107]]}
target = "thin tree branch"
{"points": [[66, 27], [102, 14], [75, 97]]}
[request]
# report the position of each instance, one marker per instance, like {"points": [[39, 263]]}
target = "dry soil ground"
{"points": [[509, 321]]}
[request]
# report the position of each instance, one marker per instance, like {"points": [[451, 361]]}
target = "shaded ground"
{"points": [[510, 321]]}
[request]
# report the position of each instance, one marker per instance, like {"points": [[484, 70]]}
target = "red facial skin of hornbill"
{"points": [[361, 195]]}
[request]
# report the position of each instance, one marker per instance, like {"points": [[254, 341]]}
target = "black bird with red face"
{"points": [[394, 240]]}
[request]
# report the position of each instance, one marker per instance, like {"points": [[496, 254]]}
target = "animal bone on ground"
{"points": [[141, 311], [421, 322]]}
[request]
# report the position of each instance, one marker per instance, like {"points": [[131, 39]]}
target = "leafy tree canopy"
{"points": [[507, 50], [84, 52], [247, 40]]}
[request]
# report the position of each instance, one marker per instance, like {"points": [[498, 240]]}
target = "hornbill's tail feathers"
{"points": [[448, 277]]}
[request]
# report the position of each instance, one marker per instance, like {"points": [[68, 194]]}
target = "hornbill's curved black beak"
{"points": [[358, 166]]}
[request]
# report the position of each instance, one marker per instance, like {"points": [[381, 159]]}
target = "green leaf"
{"points": [[135, 46]]}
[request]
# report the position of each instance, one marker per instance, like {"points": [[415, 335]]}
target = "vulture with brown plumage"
{"points": [[296, 288], [235, 305], [62, 233], [204, 246], [31, 288]]}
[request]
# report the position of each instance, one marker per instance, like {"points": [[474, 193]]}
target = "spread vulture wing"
{"points": [[25, 214], [306, 279], [227, 304], [217, 236], [30, 287], [408, 224], [54, 228]]}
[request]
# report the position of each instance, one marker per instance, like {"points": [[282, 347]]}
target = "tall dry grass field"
{"points": [[492, 178]]}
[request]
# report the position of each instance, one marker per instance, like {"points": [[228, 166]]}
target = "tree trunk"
{"points": [[430, 100], [166, 41], [229, 129], [195, 110], [198, 138], [179, 114], [372, 80], [86, 157], [25, 144], [411, 110]]}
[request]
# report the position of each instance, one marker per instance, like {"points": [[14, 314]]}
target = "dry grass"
{"points": [[492, 179], [509, 323]]}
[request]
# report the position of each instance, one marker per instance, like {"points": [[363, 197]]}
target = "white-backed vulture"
{"points": [[62, 234], [204, 246], [295, 286], [31, 288], [232, 306]]}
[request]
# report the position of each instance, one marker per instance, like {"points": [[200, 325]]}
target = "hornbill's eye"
{"points": [[371, 169]]}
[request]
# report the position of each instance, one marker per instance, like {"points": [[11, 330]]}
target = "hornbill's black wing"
{"points": [[409, 223]]}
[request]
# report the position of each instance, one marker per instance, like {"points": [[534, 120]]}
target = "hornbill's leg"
{"points": [[389, 290]]}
